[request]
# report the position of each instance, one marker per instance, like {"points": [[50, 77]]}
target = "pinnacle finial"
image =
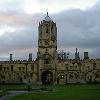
{"points": [[47, 12], [76, 49]]}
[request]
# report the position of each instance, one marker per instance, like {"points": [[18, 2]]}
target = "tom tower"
{"points": [[47, 50]]}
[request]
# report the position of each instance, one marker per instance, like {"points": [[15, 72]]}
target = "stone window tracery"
{"points": [[97, 75]]}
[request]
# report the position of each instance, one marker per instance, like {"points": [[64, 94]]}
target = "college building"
{"points": [[50, 66]]}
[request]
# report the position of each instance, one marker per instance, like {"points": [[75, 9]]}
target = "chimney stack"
{"points": [[30, 57], [86, 55], [11, 57], [77, 54]]}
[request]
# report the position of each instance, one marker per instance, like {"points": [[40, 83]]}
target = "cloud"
{"points": [[38, 6], [19, 43], [76, 28]]}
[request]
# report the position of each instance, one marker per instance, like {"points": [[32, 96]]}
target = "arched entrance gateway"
{"points": [[47, 77]]}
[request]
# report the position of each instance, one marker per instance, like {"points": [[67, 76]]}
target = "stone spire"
{"points": [[77, 54], [47, 13]]}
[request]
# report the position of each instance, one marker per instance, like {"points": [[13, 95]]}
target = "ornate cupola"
{"points": [[47, 18]]}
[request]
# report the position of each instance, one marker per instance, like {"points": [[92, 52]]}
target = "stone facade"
{"points": [[49, 67]]}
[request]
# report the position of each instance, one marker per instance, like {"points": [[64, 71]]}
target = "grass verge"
{"points": [[64, 92]]}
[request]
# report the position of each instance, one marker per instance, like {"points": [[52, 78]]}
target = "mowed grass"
{"points": [[13, 87], [64, 92]]}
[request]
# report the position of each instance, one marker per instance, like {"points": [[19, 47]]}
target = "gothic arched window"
{"points": [[47, 30], [46, 59], [97, 75]]}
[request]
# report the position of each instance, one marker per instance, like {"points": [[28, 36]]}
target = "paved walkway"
{"points": [[12, 94], [15, 93]]}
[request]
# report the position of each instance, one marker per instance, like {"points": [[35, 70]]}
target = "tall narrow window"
{"points": [[97, 75], [47, 30], [52, 28], [32, 67], [94, 65], [40, 34], [0, 67], [11, 67]]}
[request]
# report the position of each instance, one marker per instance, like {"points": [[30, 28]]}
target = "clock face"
{"points": [[46, 42]]}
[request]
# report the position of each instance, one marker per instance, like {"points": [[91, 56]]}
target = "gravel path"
{"points": [[15, 93]]}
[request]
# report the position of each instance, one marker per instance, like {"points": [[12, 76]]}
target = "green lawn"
{"points": [[64, 92], [13, 87]]}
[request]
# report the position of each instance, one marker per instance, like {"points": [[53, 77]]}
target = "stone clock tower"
{"points": [[47, 50]]}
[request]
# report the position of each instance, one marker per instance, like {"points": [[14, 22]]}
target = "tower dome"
{"points": [[47, 18]]}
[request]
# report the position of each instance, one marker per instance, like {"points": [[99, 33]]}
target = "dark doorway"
{"points": [[57, 80], [21, 80], [47, 78]]}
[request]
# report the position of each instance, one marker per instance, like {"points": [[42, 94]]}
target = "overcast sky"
{"points": [[78, 23]]}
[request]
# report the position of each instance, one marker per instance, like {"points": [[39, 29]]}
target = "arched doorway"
{"points": [[47, 77]]}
